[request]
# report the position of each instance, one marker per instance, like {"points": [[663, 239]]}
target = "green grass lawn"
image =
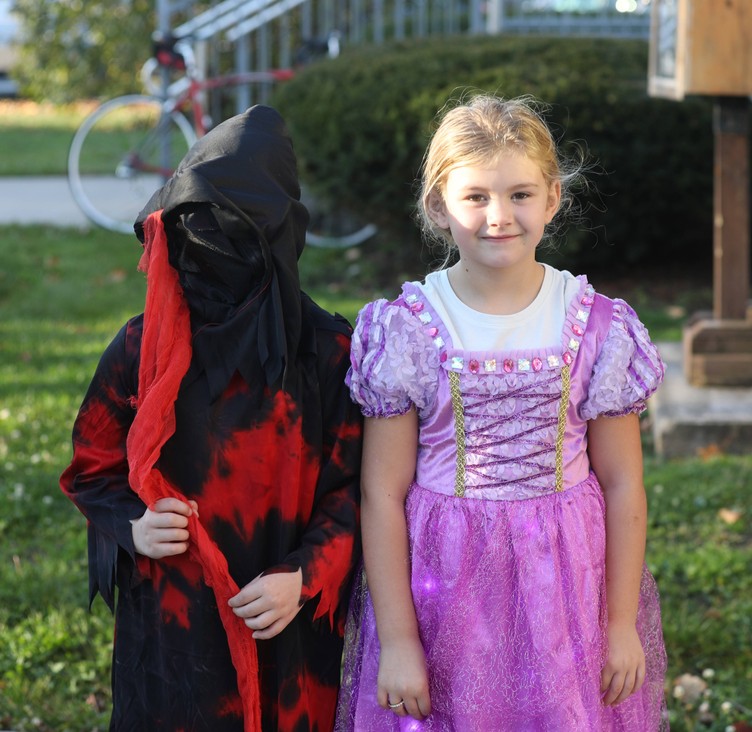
{"points": [[36, 137], [64, 294]]}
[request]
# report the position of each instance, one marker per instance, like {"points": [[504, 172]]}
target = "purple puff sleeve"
{"points": [[393, 362], [627, 371]]}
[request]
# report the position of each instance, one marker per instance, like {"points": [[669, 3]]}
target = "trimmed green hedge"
{"points": [[361, 123]]}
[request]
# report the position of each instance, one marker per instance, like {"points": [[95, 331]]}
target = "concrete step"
{"points": [[690, 421]]}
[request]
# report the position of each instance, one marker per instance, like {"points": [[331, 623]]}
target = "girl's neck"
{"points": [[506, 292]]}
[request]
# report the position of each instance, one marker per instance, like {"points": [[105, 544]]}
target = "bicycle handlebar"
{"points": [[169, 53]]}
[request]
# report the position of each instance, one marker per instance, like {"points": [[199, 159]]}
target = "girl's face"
{"points": [[497, 214]]}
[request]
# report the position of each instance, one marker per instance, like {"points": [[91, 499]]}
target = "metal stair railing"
{"points": [[380, 20], [264, 33]]}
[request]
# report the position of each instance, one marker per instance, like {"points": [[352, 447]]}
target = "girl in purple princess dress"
{"points": [[503, 507]]}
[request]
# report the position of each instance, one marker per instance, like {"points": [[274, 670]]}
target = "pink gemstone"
{"points": [[587, 300], [443, 356], [567, 358], [537, 364], [508, 365], [474, 366], [433, 331], [416, 307], [577, 330]]}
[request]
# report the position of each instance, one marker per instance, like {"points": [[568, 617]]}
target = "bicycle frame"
{"points": [[153, 153], [185, 93], [190, 96]]}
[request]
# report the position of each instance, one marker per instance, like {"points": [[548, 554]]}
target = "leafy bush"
{"points": [[77, 50], [361, 124]]}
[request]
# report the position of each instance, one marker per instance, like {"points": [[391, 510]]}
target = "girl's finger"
{"points": [[626, 690], [167, 536], [424, 707], [614, 689], [413, 709], [171, 505], [262, 621], [275, 628], [246, 596], [169, 549], [640, 679], [249, 610], [397, 706]]}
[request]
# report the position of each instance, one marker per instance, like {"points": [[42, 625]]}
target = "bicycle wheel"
{"points": [[329, 228], [122, 152]]}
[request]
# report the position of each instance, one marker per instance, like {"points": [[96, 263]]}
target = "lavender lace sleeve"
{"points": [[628, 369], [393, 362]]}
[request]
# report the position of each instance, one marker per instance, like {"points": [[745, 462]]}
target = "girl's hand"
{"points": [[268, 603], [624, 672], [161, 531], [403, 678]]}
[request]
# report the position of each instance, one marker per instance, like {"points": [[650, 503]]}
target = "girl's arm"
{"points": [[389, 456], [616, 457]]}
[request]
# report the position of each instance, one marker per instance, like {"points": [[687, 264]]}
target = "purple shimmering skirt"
{"points": [[510, 599]]}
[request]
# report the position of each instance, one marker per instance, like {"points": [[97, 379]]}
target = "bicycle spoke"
{"points": [[122, 153]]}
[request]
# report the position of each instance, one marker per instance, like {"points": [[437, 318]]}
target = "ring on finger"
{"points": [[395, 706]]}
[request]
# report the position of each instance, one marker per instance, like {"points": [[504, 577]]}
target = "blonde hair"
{"points": [[476, 133]]}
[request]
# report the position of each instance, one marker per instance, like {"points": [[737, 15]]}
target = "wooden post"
{"points": [[731, 208], [705, 47]]}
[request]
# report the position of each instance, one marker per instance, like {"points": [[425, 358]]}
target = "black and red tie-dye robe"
{"points": [[276, 486], [260, 431]]}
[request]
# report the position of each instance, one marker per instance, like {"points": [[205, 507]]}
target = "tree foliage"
{"points": [[78, 49]]}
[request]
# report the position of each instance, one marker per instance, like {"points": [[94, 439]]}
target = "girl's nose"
{"points": [[498, 213]]}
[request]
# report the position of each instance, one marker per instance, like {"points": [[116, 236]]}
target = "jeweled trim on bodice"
{"points": [[538, 383], [574, 329]]}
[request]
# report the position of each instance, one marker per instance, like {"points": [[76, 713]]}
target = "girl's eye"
{"points": [[520, 196], [475, 197]]}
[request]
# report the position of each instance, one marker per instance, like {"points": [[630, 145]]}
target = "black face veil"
{"points": [[235, 229]]}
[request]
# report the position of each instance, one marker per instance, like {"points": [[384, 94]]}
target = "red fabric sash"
{"points": [[165, 358]]}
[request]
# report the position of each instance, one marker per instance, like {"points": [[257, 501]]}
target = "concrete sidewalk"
{"points": [[39, 200]]}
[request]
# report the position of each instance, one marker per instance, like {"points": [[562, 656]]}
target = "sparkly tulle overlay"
{"points": [[506, 521]]}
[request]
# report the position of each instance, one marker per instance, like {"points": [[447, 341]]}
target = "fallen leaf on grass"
{"points": [[729, 516], [689, 688], [709, 452], [676, 311], [95, 702]]}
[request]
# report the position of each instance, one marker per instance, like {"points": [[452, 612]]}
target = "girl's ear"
{"points": [[437, 210], [554, 199]]}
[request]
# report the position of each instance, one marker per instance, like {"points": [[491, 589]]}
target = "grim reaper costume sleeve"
{"points": [[229, 390]]}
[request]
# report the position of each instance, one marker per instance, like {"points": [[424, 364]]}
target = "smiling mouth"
{"points": [[500, 237]]}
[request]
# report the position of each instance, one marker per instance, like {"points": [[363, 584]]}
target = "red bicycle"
{"points": [[128, 146]]}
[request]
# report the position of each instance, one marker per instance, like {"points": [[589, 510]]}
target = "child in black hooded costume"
{"points": [[216, 457]]}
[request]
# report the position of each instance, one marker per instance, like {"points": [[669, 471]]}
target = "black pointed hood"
{"points": [[235, 228]]}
